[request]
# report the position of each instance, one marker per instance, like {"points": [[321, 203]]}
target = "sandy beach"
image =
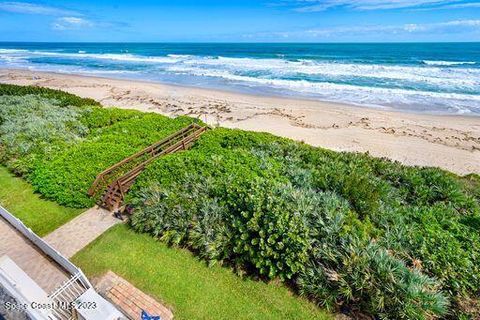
{"points": [[449, 142]]}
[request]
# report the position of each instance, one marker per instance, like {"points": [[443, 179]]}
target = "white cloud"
{"points": [[463, 23], [447, 27], [413, 27], [322, 5], [453, 26], [449, 6], [62, 19], [71, 23], [31, 8], [461, 5]]}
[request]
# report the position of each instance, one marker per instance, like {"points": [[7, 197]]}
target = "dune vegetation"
{"points": [[344, 229], [60, 143], [348, 231]]}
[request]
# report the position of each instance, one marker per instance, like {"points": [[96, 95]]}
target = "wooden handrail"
{"points": [[119, 184], [150, 149], [125, 177]]}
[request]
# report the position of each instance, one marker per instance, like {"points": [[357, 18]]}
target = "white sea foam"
{"points": [[318, 87], [100, 56], [180, 56], [446, 63], [81, 70], [110, 56], [466, 78], [12, 50]]}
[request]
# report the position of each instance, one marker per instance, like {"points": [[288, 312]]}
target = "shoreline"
{"points": [[451, 142], [251, 94]]}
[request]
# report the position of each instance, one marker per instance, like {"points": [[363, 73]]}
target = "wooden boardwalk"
{"points": [[116, 180]]}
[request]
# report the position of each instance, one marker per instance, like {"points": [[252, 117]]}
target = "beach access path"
{"points": [[76, 234]]}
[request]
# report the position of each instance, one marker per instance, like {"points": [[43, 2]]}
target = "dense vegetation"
{"points": [[61, 148], [346, 230], [62, 97]]}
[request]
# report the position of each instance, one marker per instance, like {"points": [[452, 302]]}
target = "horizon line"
{"points": [[241, 42]]}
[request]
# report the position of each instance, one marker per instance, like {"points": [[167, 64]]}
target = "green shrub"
{"points": [[199, 224], [439, 242], [472, 183], [67, 177], [367, 277], [230, 202], [64, 98], [46, 128], [95, 118], [403, 239], [269, 232], [346, 268]]}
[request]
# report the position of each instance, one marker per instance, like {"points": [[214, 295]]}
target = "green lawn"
{"points": [[187, 285], [40, 215]]}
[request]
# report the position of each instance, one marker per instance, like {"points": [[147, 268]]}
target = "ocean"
{"points": [[440, 78]]}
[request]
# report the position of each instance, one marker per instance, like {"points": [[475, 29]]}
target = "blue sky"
{"points": [[241, 21]]}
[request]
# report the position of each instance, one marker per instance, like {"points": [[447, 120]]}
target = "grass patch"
{"points": [[40, 215], [192, 289]]}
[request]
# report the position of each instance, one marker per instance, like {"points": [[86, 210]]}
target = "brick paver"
{"points": [[130, 299], [77, 233], [45, 272]]}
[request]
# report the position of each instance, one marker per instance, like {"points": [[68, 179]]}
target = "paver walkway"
{"points": [[130, 299], [45, 272], [77, 233]]}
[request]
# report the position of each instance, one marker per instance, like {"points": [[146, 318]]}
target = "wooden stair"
{"points": [[117, 179]]}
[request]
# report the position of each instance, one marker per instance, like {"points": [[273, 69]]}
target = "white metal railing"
{"points": [[70, 288], [44, 246], [67, 293]]}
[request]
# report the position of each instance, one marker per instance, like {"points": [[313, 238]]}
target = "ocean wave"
{"points": [[432, 74], [83, 71], [318, 87], [126, 57], [358, 95], [434, 83], [180, 56], [279, 67], [447, 63]]}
